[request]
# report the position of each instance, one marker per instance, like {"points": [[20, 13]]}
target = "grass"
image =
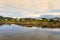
{"points": [[30, 23]]}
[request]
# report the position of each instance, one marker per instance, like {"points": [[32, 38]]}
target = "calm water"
{"points": [[16, 32]]}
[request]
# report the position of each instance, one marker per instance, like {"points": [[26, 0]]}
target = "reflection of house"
{"points": [[34, 27]]}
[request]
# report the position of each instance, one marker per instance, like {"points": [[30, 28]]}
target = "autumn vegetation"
{"points": [[29, 22]]}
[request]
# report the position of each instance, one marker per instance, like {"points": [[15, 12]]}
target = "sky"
{"points": [[29, 8]]}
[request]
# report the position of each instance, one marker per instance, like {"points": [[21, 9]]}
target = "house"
{"points": [[38, 18], [56, 19], [18, 19], [28, 18]]}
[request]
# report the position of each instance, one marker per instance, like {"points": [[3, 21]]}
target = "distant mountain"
{"points": [[58, 16], [47, 16]]}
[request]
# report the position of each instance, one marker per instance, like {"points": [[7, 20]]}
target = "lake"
{"points": [[16, 32]]}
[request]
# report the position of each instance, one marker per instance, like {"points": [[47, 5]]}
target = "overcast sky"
{"points": [[29, 8]]}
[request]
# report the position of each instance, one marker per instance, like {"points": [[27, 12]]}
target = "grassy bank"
{"points": [[29, 22]]}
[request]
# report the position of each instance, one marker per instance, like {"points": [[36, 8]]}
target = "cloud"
{"points": [[39, 5], [16, 12], [29, 8]]}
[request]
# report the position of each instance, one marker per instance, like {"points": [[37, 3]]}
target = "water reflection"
{"points": [[17, 32]]}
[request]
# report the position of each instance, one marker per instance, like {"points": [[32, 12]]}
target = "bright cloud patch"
{"points": [[17, 12], [29, 8]]}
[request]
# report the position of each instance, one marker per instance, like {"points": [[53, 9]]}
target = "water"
{"points": [[16, 32]]}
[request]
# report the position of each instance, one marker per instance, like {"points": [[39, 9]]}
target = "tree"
{"points": [[1, 17], [51, 20], [44, 19]]}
